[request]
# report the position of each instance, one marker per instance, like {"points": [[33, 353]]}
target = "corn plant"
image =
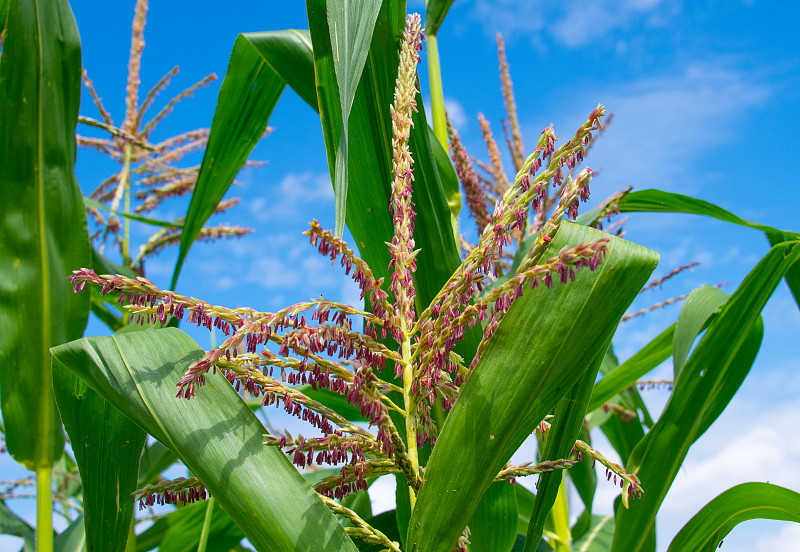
{"points": [[461, 352]]}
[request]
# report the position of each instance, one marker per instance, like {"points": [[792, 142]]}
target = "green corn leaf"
{"points": [[493, 525], [544, 345], [707, 383], [247, 97], [3, 15], [435, 12], [598, 537], [626, 374], [43, 236], [658, 201], [350, 27], [215, 434], [793, 274], [694, 315], [107, 448], [559, 441], [386, 524], [705, 531]]}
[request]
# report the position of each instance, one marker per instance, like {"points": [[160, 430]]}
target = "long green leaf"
{"points": [[215, 434], [350, 25], [73, 538], [246, 99], [107, 448], [449, 179], [184, 525], [694, 315], [545, 344], [658, 201], [793, 274], [708, 381], [705, 531], [43, 236]]}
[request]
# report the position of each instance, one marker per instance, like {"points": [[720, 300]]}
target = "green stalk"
{"points": [[44, 508], [126, 182], [201, 547], [437, 96], [411, 411]]}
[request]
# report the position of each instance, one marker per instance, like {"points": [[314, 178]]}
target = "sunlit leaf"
{"points": [[694, 315]]}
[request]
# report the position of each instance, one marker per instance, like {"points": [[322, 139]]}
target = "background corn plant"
{"points": [[261, 66]]}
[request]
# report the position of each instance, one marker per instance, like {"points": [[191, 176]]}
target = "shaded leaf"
{"points": [[155, 459], [334, 401], [43, 234], [705, 531], [215, 434], [107, 447], [528, 366], [186, 524], [793, 274]]}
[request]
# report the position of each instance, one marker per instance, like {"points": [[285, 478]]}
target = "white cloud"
{"points": [[294, 192], [456, 113], [573, 23], [785, 540], [663, 125]]}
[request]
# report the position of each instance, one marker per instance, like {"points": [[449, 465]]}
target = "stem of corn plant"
{"points": [[201, 547], [44, 508], [411, 412], [437, 96], [126, 178]]}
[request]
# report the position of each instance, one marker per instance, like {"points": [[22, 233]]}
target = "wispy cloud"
{"points": [[294, 192], [573, 23], [665, 126]]}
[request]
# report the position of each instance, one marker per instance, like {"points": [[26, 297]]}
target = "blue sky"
{"points": [[705, 97]]}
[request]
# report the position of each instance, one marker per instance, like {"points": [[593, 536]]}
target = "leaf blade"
{"points": [[215, 434], [43, 234], [466, 458]]}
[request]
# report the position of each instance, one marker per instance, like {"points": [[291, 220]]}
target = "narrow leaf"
{"points": [[708, 381], [598, 537], [528, 366], [43, 234], [707, 528], [246, 99], [793, 274], [215, 434], [694, 315], [350, 25], [92, 204]]}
